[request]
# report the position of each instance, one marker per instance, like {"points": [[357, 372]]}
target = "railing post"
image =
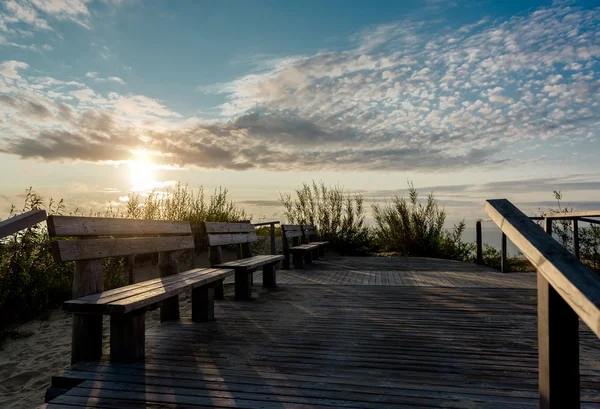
{"points": [[479, 241], [504, 255], [575, 225], [558, 346], [272, 238]]}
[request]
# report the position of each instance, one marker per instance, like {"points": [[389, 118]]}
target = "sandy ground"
{"points": [[27, 364]]}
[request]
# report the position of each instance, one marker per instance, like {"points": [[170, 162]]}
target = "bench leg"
{"points": [[127, 336], [322, 251], [286, 261], [243, 285], [86, 341], [298, 260], [219, 290], [315, 254], [169, 311], [203, 303], [308, 259], [269, 276]]}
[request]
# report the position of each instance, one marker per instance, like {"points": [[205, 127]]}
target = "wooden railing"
{"points": [[575, 218], [567, 290], [21, 222], [272, 233]]}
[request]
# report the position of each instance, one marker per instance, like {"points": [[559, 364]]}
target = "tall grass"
{"points": [[31, 282], [338, 215], [412, 228]]}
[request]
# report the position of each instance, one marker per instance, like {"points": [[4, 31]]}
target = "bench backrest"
{"points": [[224, 234], [309, 230], [97, 238], [293, 232], [111, 237]]}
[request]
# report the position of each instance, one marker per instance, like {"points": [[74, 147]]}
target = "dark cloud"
{"points": [[9, 101]]}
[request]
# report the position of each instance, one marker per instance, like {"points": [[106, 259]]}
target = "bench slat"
{"points": [[303, 247], [67, 226], [138, 288], [251, 262], [219, 227], [319, 243], [226, 239], [69, 250], [147, 297]]}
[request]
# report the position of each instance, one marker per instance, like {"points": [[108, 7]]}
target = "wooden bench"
{"points": [[241, 234], [98, 238], [308, 231], [301, 253]]}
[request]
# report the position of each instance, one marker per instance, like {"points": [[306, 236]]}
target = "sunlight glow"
{"points": [[141, 172]]}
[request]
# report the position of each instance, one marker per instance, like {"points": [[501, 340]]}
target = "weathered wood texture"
{"points": [[21, 222], [86, 336], [67, 226], [329, 346], [478, 242], [69, 250], [145, 294], [575, 283]]}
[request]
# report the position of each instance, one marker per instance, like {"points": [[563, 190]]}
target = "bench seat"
{"points": [[303, 253], [243, 273], [127, 306], [146, 294]]}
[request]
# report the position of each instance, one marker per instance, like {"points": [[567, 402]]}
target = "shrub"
{"points": [[338, 216], [31, 282], [414, 229]]}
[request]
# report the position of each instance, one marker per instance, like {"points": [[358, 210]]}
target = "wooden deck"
{"points": [[426, 334]]}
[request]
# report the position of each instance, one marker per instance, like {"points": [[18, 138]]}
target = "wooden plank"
{"points": [[21, 222], [265, 223], [221, 227], [253, 262], [478, 243], [168, 266], [575, 227], [576, 283], [571, 215], [227, 239], [150, 297], [70, 226], [69, 250], [86, 335]]}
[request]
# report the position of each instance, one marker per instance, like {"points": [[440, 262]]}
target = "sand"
{"points": [[27, 364]]}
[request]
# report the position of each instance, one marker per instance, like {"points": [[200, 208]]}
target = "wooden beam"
{"points": [[571, 215], [266, 223], [227, 239], [272, 231], [576, 283], [71, 226], [69, 250], [479, 241], [587, 220], [575, 225], [504, 255], [21, 222]]}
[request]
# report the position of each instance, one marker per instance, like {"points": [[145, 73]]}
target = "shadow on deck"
{"points": [[375, 333]]}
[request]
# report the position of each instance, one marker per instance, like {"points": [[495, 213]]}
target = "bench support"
{"points": [[168, 266], [298, 259], [243, 284], [308, 257], [321, 251], [269, 276], [86, 341], [203, 303], [315, 254], [215, 257], [127, 336]]}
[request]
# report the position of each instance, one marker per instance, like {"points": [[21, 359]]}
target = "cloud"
{"points": [[405, 96], [94, 76]]}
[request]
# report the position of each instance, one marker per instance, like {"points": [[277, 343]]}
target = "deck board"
{"points": [[440, 337]]}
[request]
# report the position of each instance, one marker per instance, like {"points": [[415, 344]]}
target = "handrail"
{"points": [[567, 289], [577, 284], [266, 223], [21, 222], [272, 233], [574, 217]]}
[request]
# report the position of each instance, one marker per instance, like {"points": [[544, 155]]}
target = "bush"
{"points": [[338, 216], [414, 229], [31, 282]]}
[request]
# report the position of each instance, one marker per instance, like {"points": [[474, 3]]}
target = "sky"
{"points": [[469, 99]]}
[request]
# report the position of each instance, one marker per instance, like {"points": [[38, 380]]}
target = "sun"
{"points": [[141, 172]]}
